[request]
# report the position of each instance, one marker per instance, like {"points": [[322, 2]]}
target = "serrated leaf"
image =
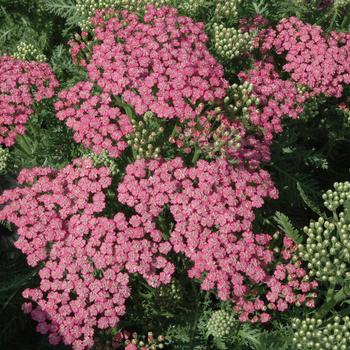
{"points": [[284, 224], [249, 336], [308, 201], [220, 344]]}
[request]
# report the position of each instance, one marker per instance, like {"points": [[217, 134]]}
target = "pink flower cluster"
{"points": [[53, 196], [86, 257], [18, 79], [96, 123], [82, 286], [313, 59], [145, 249], [212, 206], [278, 98], [284, 286], [160, 64]]}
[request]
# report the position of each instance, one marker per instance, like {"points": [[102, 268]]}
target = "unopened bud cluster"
{"points": [[230, 43], [324, 250], [315, 334], [337, 198], [239, 98], [87, 8], [211, 134], [224, 140], [145, 137], [191, 7], [227, 9], [327, 248], [28, 52], [220, 324], [4, 156], [136, 341], [341, 3], [102, 160], [310, 109], [170, 295]]}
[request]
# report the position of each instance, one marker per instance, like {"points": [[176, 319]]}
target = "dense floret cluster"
{"points": [[21, 85], [277, 98], [313, 59], [212, 206], [160, 64], [96, 123]]}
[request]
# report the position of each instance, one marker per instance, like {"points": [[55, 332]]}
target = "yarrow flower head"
{"points": [[212, 206], [17, 81], [314, 59], [96, 123], [158, 64], [277, 98], [86, 257]]}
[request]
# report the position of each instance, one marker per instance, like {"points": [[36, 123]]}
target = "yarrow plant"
{"points": [[170, 186]]}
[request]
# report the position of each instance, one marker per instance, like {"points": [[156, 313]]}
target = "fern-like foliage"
{"points": [[285, 225], [308, 201]]}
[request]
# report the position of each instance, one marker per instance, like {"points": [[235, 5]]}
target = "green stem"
{"points": [[195, 322]]}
